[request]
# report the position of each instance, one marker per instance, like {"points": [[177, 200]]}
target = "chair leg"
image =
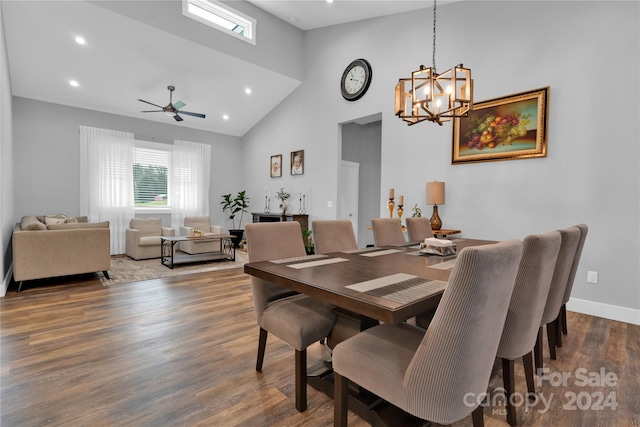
{"points": [[558, 326], [477, 416], [509, 387], [106, 274], [340, 400], [551, 337], [20, 285], [301, 380], [537, 350], [262, 345], [563, 318], [527, 362]]}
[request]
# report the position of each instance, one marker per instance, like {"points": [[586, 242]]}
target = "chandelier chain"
{"points": [[434, 35]]}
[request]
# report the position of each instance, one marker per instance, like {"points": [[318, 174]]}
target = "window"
{"points": [[151, 165], [221, 17]]}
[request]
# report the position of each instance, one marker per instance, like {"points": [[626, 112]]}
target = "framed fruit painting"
{"points": [[506, 128]]}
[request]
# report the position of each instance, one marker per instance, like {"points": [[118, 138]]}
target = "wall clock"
{"points": [[356, 80]]}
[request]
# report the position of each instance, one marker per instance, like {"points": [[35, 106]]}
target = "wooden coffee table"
{"points": [[167, 246]]}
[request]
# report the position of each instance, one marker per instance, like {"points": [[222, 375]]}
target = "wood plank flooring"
{"points": [[181, 352]]}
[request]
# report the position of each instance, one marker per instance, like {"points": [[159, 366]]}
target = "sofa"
{"points": [[201, 223], [56, 245], [143, 238]]}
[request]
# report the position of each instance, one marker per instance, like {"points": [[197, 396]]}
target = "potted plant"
{"points": [[308, 241], [416, 211], [233, 206], [283, 196]]}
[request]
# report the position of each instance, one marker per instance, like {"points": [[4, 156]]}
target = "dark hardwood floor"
{"points": [[181, 352]]}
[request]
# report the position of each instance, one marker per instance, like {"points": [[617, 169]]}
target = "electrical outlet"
{"points": [[592, 277], [329, 204]]}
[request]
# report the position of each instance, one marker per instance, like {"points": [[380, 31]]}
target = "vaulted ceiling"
{"points": [[132, 56]]}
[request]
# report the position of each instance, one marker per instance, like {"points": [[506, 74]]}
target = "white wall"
{"points": [[6, 166], [47, 144], [587, 52]]}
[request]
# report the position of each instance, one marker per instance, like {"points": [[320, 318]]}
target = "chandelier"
{"points": [[428, 95]]}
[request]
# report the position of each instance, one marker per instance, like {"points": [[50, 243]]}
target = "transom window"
{"points": [[221, 17]]}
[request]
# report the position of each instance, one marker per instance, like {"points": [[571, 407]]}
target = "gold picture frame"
{"points": [[507, 128], [275, 166]]}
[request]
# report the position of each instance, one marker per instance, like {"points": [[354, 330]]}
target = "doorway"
{"points": [[362, 144]]}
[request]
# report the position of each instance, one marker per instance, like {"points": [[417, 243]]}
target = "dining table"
{"points": [[389, 284]]}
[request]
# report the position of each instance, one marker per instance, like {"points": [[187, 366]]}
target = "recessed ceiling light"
{"points": [[74, 83], [247, 91], [225, 117], [329, 1], [80, 40]]}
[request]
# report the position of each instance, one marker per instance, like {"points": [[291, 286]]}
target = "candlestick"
{"points": [[401, 200], [400, 211], [391, 205], [391, 193]]}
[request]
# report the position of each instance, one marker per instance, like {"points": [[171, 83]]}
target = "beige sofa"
{"points": [[59, 249], [195, 246], [143, 238]]}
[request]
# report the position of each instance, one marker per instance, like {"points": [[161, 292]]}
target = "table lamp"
{"points": [[435, 197]]}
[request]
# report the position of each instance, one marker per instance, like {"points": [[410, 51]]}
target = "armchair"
{"points": [[203, 224], [143, 238]]}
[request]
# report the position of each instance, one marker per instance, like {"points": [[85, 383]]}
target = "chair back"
{"points": [[576, 260], [539, 256], [387, 231], [333, 236], [267, 241], [458, 351], [419, 228], [570, 238], [147, 226], [202, 223]]}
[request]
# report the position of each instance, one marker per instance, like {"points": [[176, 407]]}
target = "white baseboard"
{"points": [[613, 312], [6, 281]]}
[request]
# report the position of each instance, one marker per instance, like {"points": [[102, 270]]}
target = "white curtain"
{"points": [[190, 181], [106, 180]]}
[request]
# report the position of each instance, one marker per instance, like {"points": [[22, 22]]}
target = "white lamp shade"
{"points": [[435, 193]]}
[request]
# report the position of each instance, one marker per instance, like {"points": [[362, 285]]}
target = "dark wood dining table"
{"points": [[333, 277]]}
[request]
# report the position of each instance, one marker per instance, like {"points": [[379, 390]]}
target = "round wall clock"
{"points": [[356, 80]]}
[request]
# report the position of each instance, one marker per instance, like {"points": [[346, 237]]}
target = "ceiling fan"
{"points": [[172, 109]]}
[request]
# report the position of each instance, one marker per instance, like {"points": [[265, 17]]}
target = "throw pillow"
{"points": [[72, 220], [31, 223], [54, 219]]}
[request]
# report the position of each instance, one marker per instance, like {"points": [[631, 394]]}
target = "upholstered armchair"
{"points": [[143, 238], [203, 224]]}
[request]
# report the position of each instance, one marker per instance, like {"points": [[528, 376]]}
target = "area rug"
{"points": [[125, 270]]}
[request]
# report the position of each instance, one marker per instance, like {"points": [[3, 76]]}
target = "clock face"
{"points": [[356, 80]]}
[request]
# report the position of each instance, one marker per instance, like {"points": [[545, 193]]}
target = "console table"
{"points": [[303, 219]]}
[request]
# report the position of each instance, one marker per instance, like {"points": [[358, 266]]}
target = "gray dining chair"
{"points": [[539, 256], [572, 276], [333, 236], [429, 373], [296, 319], [418, 229], [550, 317], [387, 231]]}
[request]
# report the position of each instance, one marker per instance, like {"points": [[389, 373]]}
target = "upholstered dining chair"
{"points": [[550, 317], [539, 256], [387, 231], [572, 276], [296, 319], [333, 236], [419, 228], [432, 373]]}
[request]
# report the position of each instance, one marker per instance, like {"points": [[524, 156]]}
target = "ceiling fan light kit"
{"points": [[172, 110]]}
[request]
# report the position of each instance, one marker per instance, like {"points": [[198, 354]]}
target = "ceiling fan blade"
{"points": [[188, 113], [178, 118], [155, 105], [178, 105], [152, 111]]}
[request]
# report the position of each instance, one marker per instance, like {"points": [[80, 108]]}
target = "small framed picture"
{"points": [[276, 166], [297, 162]]}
